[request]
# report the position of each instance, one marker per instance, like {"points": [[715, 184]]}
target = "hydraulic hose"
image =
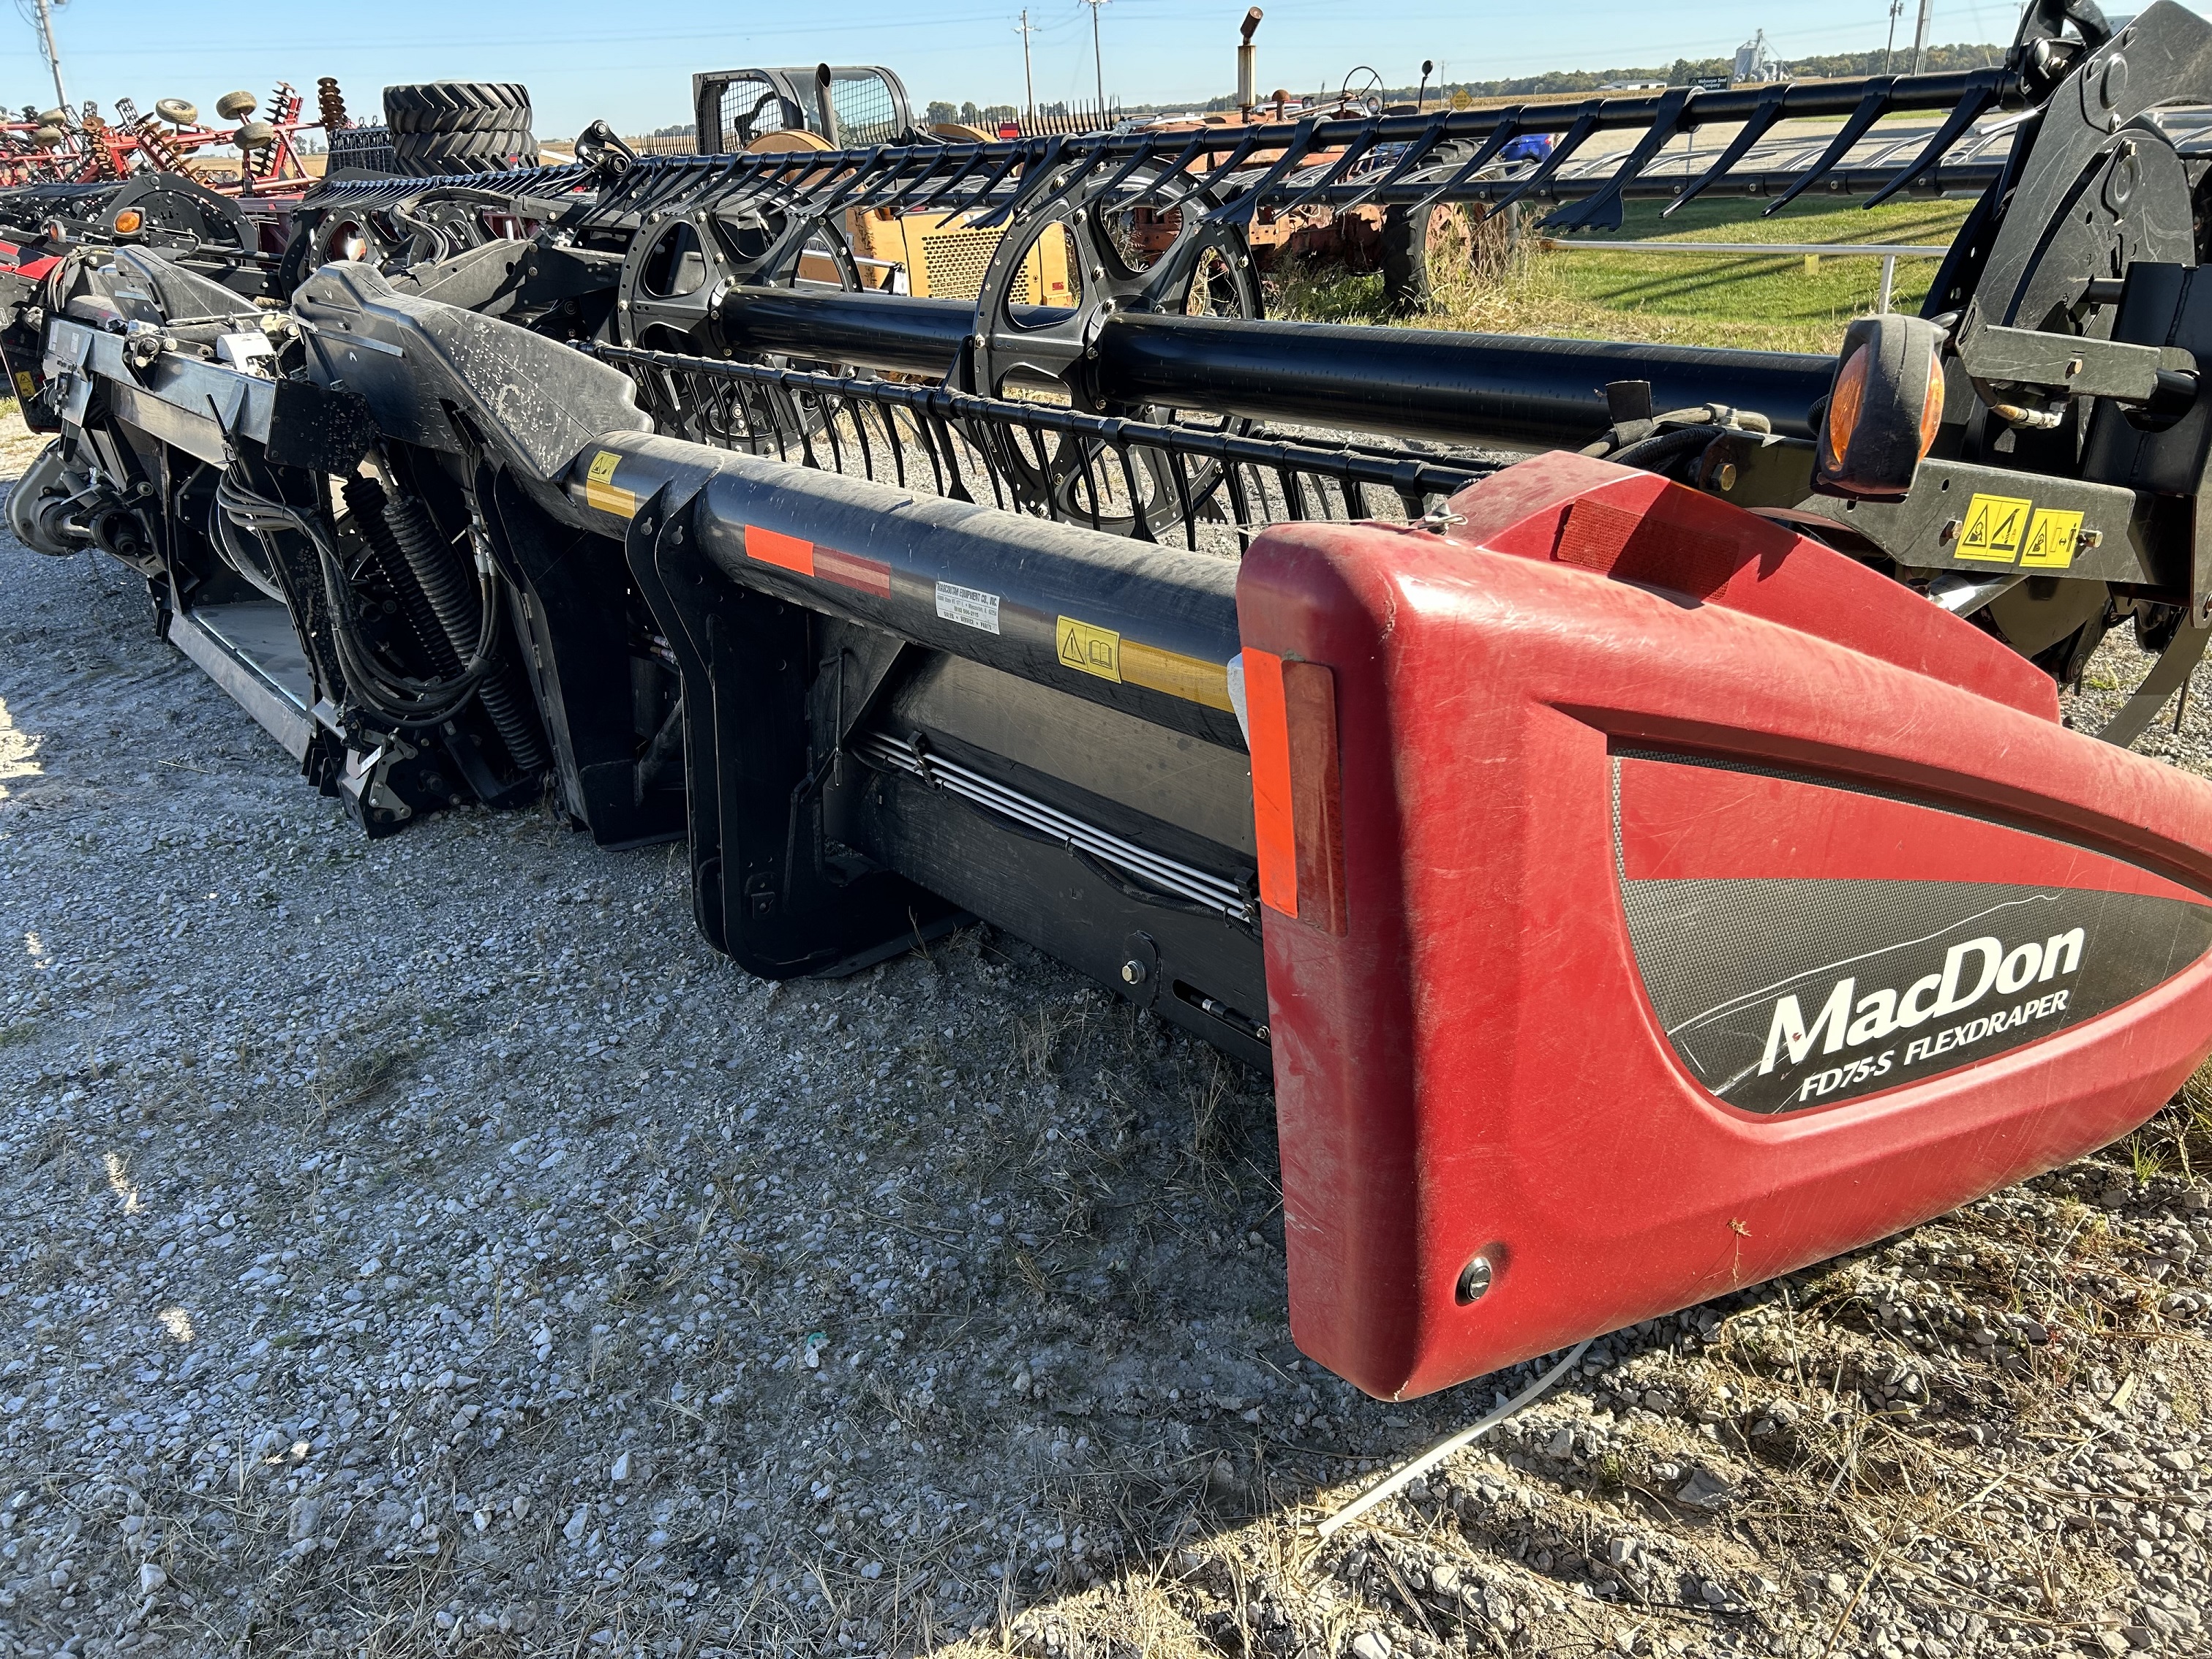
{"points": [[400, 698]]}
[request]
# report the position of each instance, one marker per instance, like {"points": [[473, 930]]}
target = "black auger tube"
{"points": [[1520, 391]]}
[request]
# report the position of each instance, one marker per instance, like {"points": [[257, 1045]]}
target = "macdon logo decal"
{"points": [[1971, 969]]}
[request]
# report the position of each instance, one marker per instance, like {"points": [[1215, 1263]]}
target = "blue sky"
{"points": [[634, 66]]}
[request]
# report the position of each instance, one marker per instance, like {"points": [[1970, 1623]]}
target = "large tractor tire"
{"points": [[460, 126], [1419, 247]]}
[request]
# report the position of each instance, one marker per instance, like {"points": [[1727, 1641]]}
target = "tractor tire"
{"points": [[1415, 250], [430, 154], [457, 106]]}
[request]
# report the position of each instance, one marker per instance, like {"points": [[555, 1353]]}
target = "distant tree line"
{"points": [[1680, 72], [1683, 70], [972, 114]]}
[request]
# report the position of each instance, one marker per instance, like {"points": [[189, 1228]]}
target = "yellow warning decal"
{"points": [[2051, 540], [600, 491], [1091, 650], [1994, 527], [1192, 678], [26, 387]]}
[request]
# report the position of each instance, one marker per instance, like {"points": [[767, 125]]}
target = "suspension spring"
{"points": [[445, 586], [365, 499]]}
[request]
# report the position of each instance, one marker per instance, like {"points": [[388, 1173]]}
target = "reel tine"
{"points": [[1082, 158], [1602, 210], [1423, 146], [1239, 209], [889, 186], [1569, 141], [972, 158], [1035, 181], [1508, 129], [983, 192], [1237, 157], [1764, 116], [1869, 110], [1175, 169], [1357, 148], [852, 181], [1987, 89], [1146, 150]]}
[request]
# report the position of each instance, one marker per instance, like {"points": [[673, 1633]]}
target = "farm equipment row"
{"points": [[1645, 867]]}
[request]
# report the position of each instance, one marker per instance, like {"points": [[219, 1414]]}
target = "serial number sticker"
{"points": [[1089, 649], [971, 607], [600, 489], [1996, 526], [2051, 540]]}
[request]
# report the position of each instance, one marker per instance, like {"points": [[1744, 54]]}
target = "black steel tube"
{"points": [[1501, 388], [869, 331], [1496, 388]]}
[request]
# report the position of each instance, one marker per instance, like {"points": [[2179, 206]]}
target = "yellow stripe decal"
{"points": [[1192, 678], [601, 492]]}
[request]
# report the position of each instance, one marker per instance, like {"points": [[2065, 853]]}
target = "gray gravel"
{"points": [[430, 1247]]}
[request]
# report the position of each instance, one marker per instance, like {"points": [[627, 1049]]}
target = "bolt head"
{"points": [[1133, 972], [1474, 1280], [1727, 475]]}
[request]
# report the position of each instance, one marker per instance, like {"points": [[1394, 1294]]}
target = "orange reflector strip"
{"points": [[1274, 829], [774, 547], [1297, 787], [1316, 791]]}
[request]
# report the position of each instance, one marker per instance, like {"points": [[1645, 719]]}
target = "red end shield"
{"points": [[1658, 901]]}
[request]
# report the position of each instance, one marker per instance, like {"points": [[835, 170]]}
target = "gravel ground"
{"points": [[430, 1247]]}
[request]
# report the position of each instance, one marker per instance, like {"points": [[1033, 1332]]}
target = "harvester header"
{"points": [[1619, 793]]}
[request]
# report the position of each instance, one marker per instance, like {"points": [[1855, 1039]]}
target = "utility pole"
{"points": [[1889, 47], [1096, 6], [1920, 37], [53, 53], [1029, 79]]}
